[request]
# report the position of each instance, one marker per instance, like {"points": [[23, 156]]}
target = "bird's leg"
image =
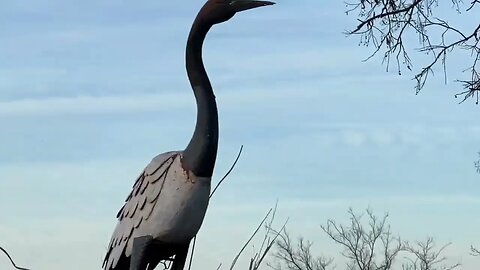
{"points": [[138, 260], [180, 257]]}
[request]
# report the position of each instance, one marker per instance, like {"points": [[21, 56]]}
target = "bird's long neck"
{"points": [[201, 152]]}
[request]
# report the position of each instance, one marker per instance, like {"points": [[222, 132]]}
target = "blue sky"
{"points": [[90, 91]]}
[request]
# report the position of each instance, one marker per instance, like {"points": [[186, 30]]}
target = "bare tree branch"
{"points": [[249, 240], [427, 257], [11, 260], [269, 240], [384, 24], [298, 256], [369, 246], [474, 251], [228, 172]]}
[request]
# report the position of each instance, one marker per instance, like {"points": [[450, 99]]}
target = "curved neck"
{"points": [[200, 154]]}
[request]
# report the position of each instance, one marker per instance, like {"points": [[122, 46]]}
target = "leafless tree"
{"points": [[385, 25], [367, 245], [427, 257], [298, 256]]}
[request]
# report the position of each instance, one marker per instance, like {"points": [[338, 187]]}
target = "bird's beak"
{"points": [[241, 5]]}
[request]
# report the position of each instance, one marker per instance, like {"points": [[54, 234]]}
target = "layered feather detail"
{"points": [[166, 202]]}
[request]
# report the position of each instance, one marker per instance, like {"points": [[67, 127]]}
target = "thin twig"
{"points": [[385, 25], [11, 260], [474, 251], [229, 171], [250, 239], [369, 21], [267, 242], [270, 245], [216, 187]]}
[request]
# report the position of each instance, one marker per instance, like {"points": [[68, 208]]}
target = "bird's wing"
{"points": [[138, 206]]}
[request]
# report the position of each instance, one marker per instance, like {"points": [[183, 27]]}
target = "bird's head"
{"points": [[218, 11]]}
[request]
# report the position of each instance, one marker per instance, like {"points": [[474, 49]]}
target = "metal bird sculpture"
{"points": [[167, 205]]}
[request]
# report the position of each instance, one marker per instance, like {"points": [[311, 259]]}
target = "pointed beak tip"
{"points": [[242, 5], [267, 3]]}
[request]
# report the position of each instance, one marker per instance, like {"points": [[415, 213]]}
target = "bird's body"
{"points": [[166, 202], [169, 199]]}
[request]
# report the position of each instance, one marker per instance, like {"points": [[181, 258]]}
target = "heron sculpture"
{"points": [[167, 205]]}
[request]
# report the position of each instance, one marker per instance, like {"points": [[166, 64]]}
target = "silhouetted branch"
{"points": [[474, 251], [268, 241], [384, 24], [249, 240], [368, 245], [426, 257], [11, 260], [298, 256], [228, 172], [362, 243]]}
